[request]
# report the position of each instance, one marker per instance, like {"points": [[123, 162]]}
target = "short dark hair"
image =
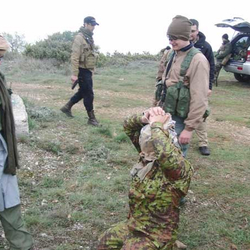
{"points": [[225, 36], [194, 22]]}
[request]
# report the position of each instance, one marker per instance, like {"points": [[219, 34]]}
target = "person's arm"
{"points": [[227, 51], [132, 127], [198, 74], [162, 66], [210, 57], [133, 124], [169, 157], [75, 56]]}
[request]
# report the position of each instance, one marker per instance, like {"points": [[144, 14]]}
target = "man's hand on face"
{"points": [[185, 137], [159, 118], [156, 111], [73, 78]]}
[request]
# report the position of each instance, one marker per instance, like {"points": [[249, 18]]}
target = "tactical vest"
{"points": [[177, 97], [88, 57]]}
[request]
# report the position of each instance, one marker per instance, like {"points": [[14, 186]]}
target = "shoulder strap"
{"points": [[187, 60], [170, 55], [170, 58]]}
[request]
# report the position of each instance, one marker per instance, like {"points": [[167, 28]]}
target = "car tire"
{"points": [[242, 77]]}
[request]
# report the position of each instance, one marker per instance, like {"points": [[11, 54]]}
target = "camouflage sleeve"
{"points": [[227, 51], [175, 167], [161, 67], [132, 127]]}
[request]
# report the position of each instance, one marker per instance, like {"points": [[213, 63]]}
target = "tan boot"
{"points": [[92, 120], [66, 109]]}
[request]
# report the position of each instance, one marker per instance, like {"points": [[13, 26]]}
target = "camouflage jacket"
{"points": [[224, 50], [154, 201]]}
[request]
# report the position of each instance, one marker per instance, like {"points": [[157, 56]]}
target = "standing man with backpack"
{"points": [[199, 41], [83, 60], [185, 82]]}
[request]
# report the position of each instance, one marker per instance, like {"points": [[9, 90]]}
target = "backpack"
{"points": [[175, 99]]}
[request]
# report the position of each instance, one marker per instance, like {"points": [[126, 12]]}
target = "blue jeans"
{"points": [[179, 127]]}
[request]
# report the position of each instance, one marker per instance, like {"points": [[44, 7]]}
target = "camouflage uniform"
{"points": [[222, 56], [154, 213]]}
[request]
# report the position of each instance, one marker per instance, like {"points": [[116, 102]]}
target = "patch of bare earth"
{"points": [[237, 133]]}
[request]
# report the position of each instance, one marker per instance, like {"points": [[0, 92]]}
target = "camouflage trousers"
{"points": [[120, 238]]}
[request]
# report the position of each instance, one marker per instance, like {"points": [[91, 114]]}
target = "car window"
{"points": [[241, 47], [243, 42]]}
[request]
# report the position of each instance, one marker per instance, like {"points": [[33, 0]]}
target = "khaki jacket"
{"points": [[80, 50], [197, 79]]}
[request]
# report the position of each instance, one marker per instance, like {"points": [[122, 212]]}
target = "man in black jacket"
{"points": [[199, 40]]}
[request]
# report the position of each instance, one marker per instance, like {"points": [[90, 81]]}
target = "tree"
{"points": [[16, 41], [57, 46]]}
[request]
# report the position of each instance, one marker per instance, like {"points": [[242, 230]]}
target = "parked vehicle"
{"points": [[239, 62]]}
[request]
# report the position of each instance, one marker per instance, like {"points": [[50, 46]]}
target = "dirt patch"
{"points": [[237, 133]]}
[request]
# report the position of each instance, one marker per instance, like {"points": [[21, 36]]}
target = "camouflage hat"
{"points": [[4, 46], [91, 20], [180, 28]]}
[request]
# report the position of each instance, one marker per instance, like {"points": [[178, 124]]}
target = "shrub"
{"points": [[120, 59], [57, 46]]}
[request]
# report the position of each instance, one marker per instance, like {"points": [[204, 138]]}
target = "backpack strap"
{"points": [[170, 60], [187, 60], [169, 56]]}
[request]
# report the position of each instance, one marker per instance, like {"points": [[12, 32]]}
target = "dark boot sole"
{"points": [[93, 123], [66, 112]]}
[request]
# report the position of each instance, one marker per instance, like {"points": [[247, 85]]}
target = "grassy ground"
{"points": [[75, 178]]}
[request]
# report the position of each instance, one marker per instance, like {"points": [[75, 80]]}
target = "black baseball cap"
{"points": [[91, 20]]}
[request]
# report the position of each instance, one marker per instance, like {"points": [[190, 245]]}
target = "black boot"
{"points": [[66, 109], [204, 150], [92, 120]]}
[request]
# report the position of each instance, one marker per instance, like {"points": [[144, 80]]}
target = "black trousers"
{"points": [[85, 90]]}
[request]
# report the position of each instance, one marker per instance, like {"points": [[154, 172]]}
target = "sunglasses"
{"points": [[172, 38]]}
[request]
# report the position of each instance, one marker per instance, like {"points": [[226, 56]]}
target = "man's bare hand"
{"points": [[156, 111], [159, 118], [185, 137], [73, 78]]}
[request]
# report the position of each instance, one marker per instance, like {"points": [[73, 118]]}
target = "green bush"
{"points": [[120, 59], [57, 46]]}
